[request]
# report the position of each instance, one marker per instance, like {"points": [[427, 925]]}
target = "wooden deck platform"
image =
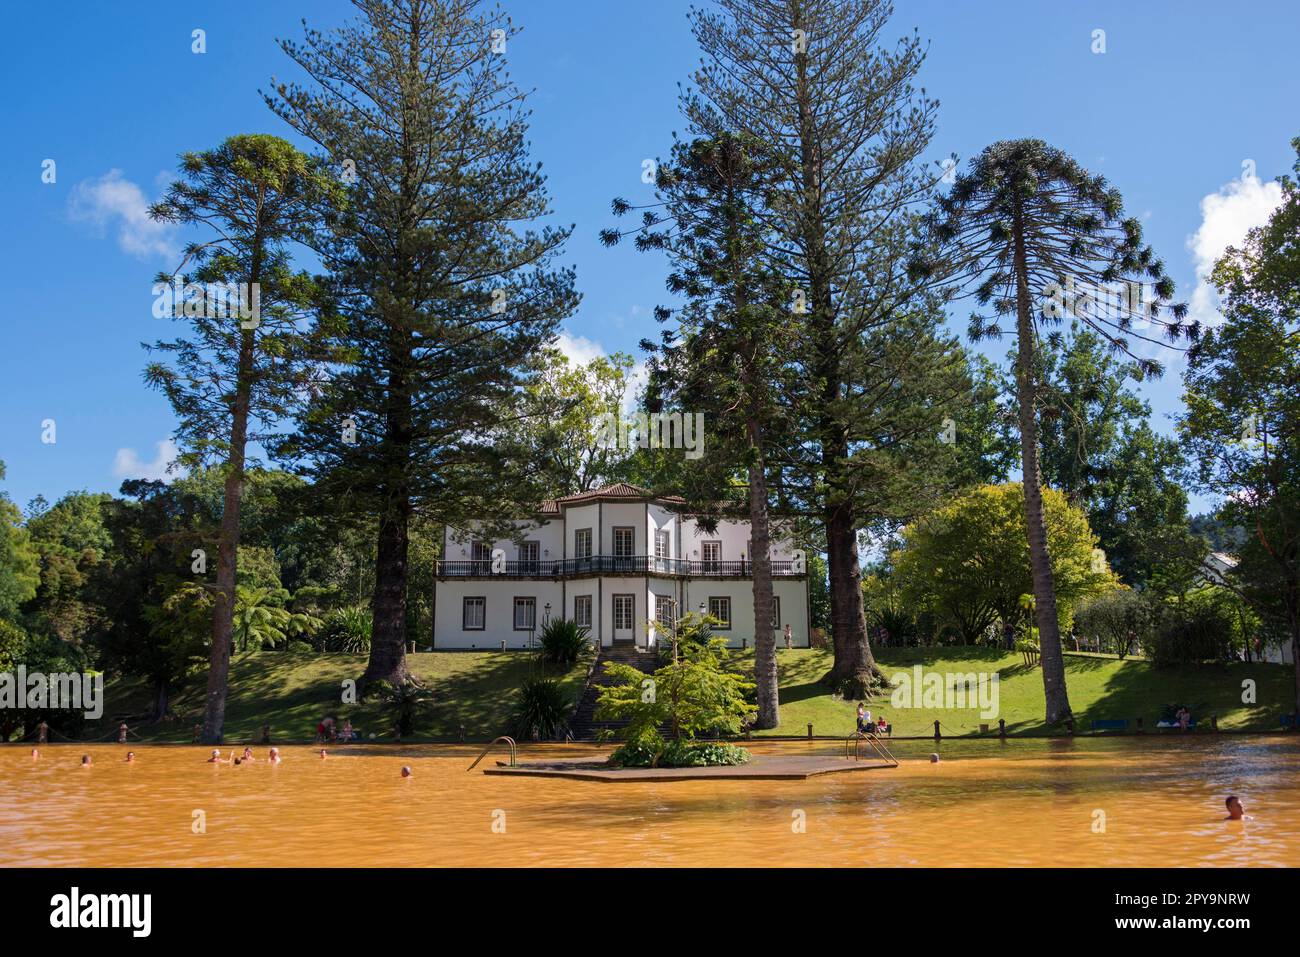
{"points": [[760, 768]]}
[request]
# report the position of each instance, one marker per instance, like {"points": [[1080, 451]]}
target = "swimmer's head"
{"points": [[130, 756], [406, 771], [1233, 804], [934, 759], [216, 752], [322, 752], [85, 760], [36, 752]]}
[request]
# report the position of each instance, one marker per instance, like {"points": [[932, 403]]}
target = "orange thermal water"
{"points": [[1019, 803]]}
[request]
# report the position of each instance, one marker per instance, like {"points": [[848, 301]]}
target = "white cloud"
{"points": [[113, 200], [1226, 217], [580, 350], [127, 464]]}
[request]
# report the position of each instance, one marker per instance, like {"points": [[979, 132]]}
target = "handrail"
{"points": [[507, 739], [608, 564], [874, 740]]}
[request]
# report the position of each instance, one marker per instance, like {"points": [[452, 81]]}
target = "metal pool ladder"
{"points": [[857, 737], [508, 740]]}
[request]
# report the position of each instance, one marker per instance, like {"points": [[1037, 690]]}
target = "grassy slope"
{"points": [[292, 692], [1100, 687]]}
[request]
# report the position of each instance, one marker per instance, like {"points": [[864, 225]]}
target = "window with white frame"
{"points": [[473, 616], [664, 611], [582, 610], [529, 552], [480, 552], [711, 554], [663, 545], [720, 608], [624, 542], [525, 614], [582, 543]]}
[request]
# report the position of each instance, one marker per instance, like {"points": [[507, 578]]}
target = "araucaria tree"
{"points": [[253, 345], [724, 359], [1034, 236], [839, 120], [440, 269]]}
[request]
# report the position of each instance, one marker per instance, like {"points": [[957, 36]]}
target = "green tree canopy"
{"points": [[968, 561]]}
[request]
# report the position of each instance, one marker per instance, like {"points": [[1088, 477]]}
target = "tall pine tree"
{"points": [[441, 268], [253, 346]]}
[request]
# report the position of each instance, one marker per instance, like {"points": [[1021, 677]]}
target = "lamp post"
{"points": [[546, 618]]}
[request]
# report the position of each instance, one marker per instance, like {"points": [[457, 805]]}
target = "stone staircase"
{"points": [[584, 724]]}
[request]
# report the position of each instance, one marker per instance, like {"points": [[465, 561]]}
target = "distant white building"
{"points": [[1214, 569], [621, 563]]}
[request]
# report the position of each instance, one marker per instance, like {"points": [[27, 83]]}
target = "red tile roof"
{"points": [[619, 490]]}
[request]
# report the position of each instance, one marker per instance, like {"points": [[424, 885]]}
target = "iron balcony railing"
{"points": [[609, 565]]}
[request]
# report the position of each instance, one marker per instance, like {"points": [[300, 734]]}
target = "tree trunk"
{"points": [[223, 612], [1049, 635], [160, 699], [854, 671], [388, 635], [765, 672]]}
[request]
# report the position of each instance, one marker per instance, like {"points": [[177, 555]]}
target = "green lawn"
{"points": [[292, 691], [1100, 687]]}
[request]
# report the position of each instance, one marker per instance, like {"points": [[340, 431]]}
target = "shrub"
{"points": [[653, 751], [542, 709], [1193, 632], [564, 641], [346, 630], [1115, 619]]}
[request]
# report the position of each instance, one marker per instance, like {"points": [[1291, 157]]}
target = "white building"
{"points": [[618, 561]]}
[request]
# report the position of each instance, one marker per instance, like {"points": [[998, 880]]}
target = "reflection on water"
{"points": [[987, 803]]}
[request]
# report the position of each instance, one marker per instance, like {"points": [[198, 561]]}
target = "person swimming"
{"points": [[274, 756], [323, 754], [1235, 811], [36, 754], [248, 754], [406, 770], [130, 757], [216, 757], [85, 760]]}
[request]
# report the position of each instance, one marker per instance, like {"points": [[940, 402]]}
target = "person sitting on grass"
{"points": [[882, 726]]}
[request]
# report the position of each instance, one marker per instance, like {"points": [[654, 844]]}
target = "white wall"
{"points": [[500, 612], [549, 535], [583, 516]]}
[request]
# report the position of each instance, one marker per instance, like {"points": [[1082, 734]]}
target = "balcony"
{"points": [[611, 565]]}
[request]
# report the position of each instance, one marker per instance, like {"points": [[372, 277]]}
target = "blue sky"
{"points": [[1185, 93]]}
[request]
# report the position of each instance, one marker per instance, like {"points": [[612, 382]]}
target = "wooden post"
{"points": [[1069, 727], [1002, 727], [1139, 725], [937, 735], [503, 644], [810, 734], [1214, 723]]}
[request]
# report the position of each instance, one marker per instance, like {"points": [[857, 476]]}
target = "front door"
{"points": [[625, 617]]}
